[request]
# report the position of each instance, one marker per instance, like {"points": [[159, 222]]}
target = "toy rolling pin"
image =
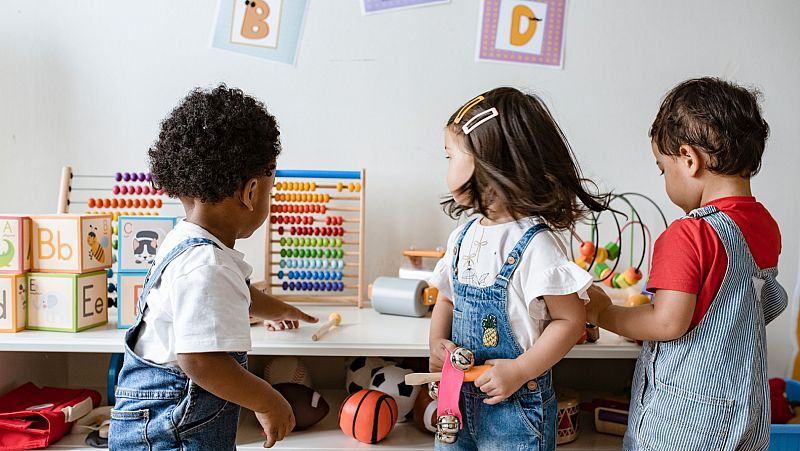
{"points": [[406, 297], [334, 319]]}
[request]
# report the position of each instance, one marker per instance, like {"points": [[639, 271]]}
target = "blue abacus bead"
{"points": [[110, 273], [341, 286], [326, 275], [330, 286], [285, 286], [341, 264], [118, 176], [282, 264], [112, 288], [291, 286], [316, 286], [280, 275]]}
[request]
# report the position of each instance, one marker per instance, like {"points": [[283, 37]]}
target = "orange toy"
{"points": [[368, 416]]}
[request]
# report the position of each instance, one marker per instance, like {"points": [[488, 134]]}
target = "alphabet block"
{"points": [[129, 287], [139, 239], [13, 302], [71, 243], [67, 302], [15, 244]]}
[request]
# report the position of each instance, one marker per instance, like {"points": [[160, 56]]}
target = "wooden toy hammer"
{"points": [[334, 319]]}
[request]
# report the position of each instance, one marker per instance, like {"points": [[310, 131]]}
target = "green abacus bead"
{"points": [[599, 268], [340, 253], [339, 242], [613, 250], [283, 241], [295, 252], [283, 253]]}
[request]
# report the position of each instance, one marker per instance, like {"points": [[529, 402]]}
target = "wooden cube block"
{"points": [[71, 243], [13, 302], [139, 239], [67, 302], [129, 287], [15, 244]]}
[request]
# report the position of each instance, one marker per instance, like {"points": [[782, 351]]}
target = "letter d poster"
{"points": [[268, 29], [522, 31]]}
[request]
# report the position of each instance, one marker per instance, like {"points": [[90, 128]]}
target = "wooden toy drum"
{"points": [[568, 411]]}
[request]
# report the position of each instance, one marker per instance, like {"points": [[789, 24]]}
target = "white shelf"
{"points": [[363, 332], [327, 436]]}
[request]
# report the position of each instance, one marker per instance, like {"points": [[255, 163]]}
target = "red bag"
{"points": [[33, 417]]}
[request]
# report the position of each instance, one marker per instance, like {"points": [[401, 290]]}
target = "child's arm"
{"points": [[508, 375], [667, 318], [273, 309], [219, 374], [440, 333]]}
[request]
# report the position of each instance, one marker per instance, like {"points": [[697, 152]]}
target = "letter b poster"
{"points": [[522, 31]]}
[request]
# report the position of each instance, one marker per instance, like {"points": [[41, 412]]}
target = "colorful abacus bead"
{"points": [[612, 250], [599, 269], [587, 249], [601, 255], [632, 276], [619, 281], [581, 261]]}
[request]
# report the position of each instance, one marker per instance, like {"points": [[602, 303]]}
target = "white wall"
{"points": [[86, 83]]}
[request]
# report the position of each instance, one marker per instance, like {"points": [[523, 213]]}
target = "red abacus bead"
{"points": [[309, 230], [273, 219], [273, 208], [138, 190], [160, 192], [306, 208], [159, 203], [115, 190], [296, 219], [151, 203], [316, 231], [328, 220], [293, 230], [90, 203], [282, 220], [341, 231], [341, 220], [322, 209], [280, 230], [123, 189], [587, 249]]}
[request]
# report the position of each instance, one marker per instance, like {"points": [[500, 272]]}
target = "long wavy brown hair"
{"points": [[523, 164]]}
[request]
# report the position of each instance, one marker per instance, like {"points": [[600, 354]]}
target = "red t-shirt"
{"points": [[689, 256]]}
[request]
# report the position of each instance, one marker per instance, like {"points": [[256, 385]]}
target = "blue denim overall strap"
{"points": [[527, 419], [708, 389], [158, 407]]}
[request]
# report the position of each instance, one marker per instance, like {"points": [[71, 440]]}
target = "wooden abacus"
{"points": [[314, 245]]}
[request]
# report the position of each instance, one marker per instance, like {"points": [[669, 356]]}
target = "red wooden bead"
{"points": [[322, 209], [280, 230], [293, 230], [90, 203], [138, 190], [115, 190]]}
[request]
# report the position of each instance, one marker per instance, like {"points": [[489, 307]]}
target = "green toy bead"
{"points": [[613, 250], [599, 269]]}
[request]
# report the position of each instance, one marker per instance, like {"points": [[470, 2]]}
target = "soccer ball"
{"points": [[391, 380], [360, 371]]}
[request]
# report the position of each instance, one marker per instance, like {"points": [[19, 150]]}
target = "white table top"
{"points": [[363, 332]]}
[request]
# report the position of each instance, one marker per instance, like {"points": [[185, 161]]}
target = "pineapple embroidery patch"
{"points": [[490, 337]]}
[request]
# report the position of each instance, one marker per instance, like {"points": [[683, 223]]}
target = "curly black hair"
{"points": [[212, 143]]}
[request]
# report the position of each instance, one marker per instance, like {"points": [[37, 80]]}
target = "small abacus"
{"points": [[314, 247]]}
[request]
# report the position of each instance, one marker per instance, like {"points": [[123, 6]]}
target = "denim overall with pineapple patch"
{"points": [[708, 389], [527, 419], [158, 407]]}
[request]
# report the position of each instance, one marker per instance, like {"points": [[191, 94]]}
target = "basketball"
{"points": [[282, 370], [425, 416], [368, 416]]}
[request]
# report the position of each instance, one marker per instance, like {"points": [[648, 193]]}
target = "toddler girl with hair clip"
{"points": [[508, 292]]}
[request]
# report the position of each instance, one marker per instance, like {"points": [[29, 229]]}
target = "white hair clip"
{"points": [[478, 119]]}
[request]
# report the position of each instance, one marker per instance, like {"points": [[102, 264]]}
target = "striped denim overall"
{"points": [[158, 407], [707, 390], [527, 419]]}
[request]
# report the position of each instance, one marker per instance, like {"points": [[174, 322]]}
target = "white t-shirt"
{"points": [[544, 269], [201, 304]]}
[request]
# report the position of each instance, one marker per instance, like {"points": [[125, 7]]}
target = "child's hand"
{"points": [[598, 302], [289, 318], [437, 347], [502, 380], [276, 422]]}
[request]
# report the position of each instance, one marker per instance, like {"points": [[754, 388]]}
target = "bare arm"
{"points": [[271, 308], [507, 376], [441, 332], [667, 318]]}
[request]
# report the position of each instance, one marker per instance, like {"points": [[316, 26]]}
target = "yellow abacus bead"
{"points": [[358, 187], [620, 282], [581, 261], [313, 186], [294, 186], [602, 255], [155, 213], [351, 187], [278, 186], [327, 198], [318, 198], [339, 187], [306, 186]]}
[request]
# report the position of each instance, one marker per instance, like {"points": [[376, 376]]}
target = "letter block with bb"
{"points": [[13, 302], [71, 243], [67, 302]]}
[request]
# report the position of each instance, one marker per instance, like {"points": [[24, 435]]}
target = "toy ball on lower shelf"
{"points": [[368, 416], [425, 416], [391, 380], [281, 370], [308, 406], [360, 371]]}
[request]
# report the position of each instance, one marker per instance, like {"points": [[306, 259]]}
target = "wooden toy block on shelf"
{"points": [[67, 302], [139, 238], [15, 244], [13, 302], [71, 243], [129, 286]]}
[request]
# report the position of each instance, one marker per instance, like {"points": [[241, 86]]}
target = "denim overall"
{"points": [[158, 407], [708, 389], [527, 419]]}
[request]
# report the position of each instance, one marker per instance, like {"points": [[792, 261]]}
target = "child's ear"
{"points": [[249, 192], [691, 159]]}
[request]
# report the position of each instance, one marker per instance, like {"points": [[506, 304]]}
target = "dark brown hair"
{"points": [[522, 162], [716, 117]]}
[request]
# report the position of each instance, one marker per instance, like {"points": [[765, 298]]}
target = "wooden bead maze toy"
{"points": [[314, 246]]}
